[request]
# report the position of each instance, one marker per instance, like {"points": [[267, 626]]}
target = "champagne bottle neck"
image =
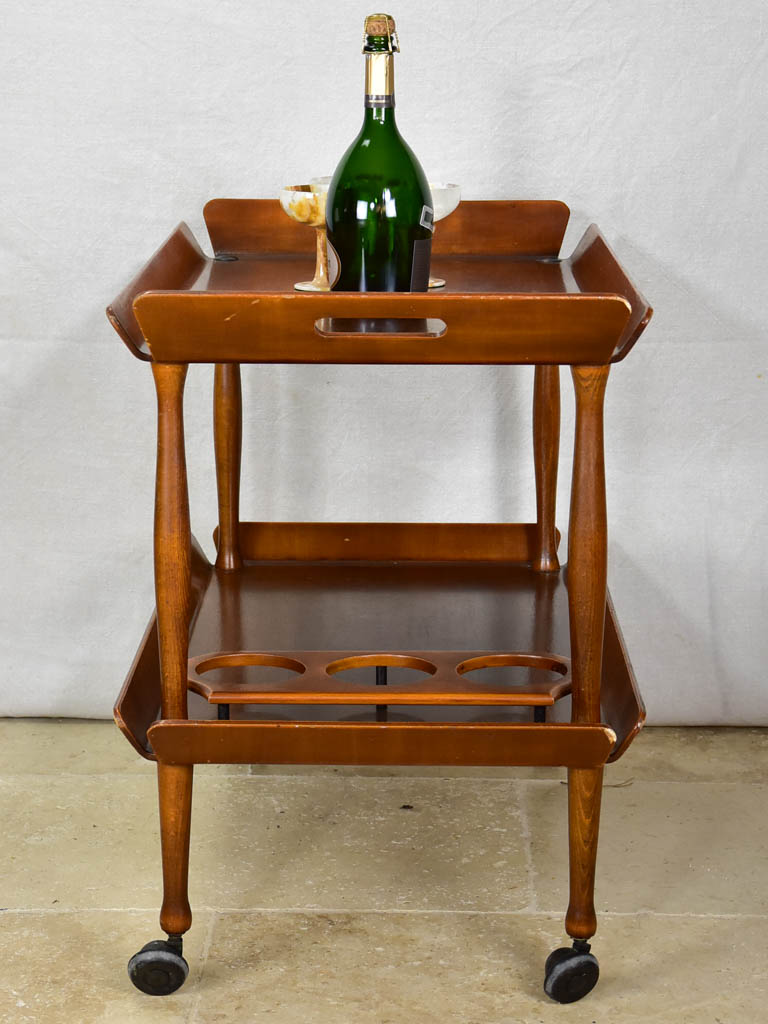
{"points": [[379, 81], [379, 120]]}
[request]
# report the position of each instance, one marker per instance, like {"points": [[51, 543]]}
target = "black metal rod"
{"points": [[539, 713], [223, 710], [381, 680]]}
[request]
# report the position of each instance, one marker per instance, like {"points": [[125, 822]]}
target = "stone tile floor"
{"points": [[319, 898]]}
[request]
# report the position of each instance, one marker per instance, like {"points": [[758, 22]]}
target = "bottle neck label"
{"points": [[379, 80]]}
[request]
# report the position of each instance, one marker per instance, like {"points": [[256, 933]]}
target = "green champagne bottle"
{"points": [[379, 213]]}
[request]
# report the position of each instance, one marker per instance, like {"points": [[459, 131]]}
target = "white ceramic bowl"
{"points": [[445, 198]]}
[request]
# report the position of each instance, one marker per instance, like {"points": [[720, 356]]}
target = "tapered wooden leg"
{"points": [[587, 569], [587, 543], [175, 790], [584, 793], [173, 549], [227, 439], [546, 452], [173, 541]]}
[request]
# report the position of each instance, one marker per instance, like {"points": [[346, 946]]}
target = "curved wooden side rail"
{"points": [[530, 229], [138, 703], [622, 704], [585, 746], [274, 327], [596, 268], [178, 260]]}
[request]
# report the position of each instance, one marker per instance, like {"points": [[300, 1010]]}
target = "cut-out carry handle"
{"points": [[403, 327]]}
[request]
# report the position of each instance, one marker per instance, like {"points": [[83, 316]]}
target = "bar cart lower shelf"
{"points": [[382, 643], [331, 643], [294, 705]]}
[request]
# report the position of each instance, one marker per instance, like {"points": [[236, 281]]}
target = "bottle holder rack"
{"points": [[316, 677]]}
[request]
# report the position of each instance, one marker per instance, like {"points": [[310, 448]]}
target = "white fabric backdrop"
{"points": [[121, 119]]}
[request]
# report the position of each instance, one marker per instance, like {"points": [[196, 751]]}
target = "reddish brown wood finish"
{"points": [[239, 226], [546, 452], [264, 274], [360, 595], [374, 743], [227, 439], [594, 264], [137, 707], [138, 703], [584, 795], [173, 592], [316, 679], [176, 263], [278, 328], [381, 607], [523, 229], [587, 571], [174, 783], [587, 543], [173, 540], [383, 542], [498, 258], [622, 704]]}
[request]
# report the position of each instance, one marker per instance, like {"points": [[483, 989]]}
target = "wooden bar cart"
{"points": [[382, 643]]}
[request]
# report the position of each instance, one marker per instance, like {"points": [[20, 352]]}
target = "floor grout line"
{"points": [[524, 912], [207, 943], [525, 832]]}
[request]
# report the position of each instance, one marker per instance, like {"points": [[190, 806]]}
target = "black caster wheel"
{"points": [[570, 974], [159, 968]]}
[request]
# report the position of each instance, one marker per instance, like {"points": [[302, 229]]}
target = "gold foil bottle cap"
{"points": [[379, 24], [382, 25]]}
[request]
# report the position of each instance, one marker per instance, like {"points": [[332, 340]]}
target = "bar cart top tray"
{"points": [[319, 605], [500, 260]]}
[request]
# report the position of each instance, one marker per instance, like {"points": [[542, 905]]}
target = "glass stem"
{"points": [[320, 280]]}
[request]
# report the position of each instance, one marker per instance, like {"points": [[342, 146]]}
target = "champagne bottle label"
{"points": [[334, 264], [422, 250]]}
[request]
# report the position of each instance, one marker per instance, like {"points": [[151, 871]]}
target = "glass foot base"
{"points": [[437, 282], [310, 286]]}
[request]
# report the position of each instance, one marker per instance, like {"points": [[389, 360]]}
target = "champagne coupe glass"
{"points": [[445, 199], [306, 204]]}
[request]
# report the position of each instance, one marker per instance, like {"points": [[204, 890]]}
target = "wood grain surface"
{"points": [[379, 743]]}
